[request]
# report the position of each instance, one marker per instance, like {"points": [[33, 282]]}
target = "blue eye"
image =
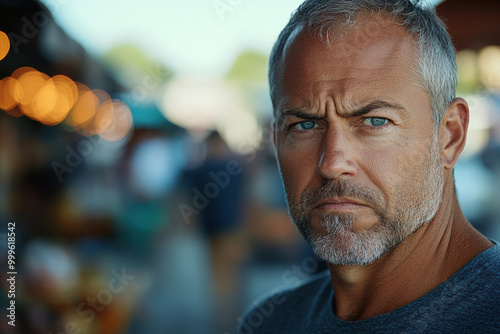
{"points": [[375, 121], [305, 125]]}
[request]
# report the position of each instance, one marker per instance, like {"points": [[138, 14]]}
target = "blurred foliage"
{"points": [[468, 74], [249, 72], [249, 66], [130, 64]]}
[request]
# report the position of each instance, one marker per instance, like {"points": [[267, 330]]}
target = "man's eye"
{"points": [[305, 125], [375, 121]]}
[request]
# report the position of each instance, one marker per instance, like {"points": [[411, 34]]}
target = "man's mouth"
{"points": [[339, 204]]}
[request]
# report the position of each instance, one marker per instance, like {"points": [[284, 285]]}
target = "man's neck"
{"points": [[416, 266]]}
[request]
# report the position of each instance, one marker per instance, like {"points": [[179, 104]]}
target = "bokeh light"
{"points": [[242, 132], [479, 125], [45, 100], [468, 76], [101, 95], [20, 71], [197, 104], [4, 45], [66, 93], [154, 166], [89, 129], [10, 93], [205, 105], [489, 66], [32, 81], [84, 109], [52, 100], [113, 120]]}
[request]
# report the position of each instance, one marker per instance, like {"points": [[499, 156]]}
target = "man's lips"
{"points": [[339, 204]]}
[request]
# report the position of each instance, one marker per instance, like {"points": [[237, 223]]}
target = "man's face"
{"points": [[355, 142]]}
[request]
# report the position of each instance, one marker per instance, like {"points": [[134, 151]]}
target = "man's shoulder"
{"points": [[289, 306], [304, 292], [480, 276], [484, 271], [467, 302], [485, 266], [301, 294]]}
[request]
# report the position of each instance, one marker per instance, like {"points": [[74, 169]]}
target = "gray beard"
{"points": [[339, 243]]}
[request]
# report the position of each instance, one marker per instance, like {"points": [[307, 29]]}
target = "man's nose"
{"points": [[337, 155]]}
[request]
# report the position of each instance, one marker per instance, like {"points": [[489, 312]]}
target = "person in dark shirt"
{"points": [[367, 132]]}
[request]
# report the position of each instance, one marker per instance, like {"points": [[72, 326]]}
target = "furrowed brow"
{"points": [[377, 104], [294, 112], [298, 113], [373, 105]]}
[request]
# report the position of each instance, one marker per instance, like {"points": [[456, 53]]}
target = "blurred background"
{"points": [[137, 163]]}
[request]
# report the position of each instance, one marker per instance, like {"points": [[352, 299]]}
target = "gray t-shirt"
{"points": [[468, 302]]}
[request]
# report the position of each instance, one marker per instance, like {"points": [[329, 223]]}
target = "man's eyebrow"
{"points": [[300, 113], [377, 104]]}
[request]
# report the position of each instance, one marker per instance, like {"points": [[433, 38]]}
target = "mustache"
{"points": [[342, 188]]}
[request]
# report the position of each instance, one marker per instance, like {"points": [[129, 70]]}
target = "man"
{"points": [[367, 132]]}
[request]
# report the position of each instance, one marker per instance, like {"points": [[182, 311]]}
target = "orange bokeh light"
{"points": [[89, 129], [10, 92], [113, 120], [21, 70], [67, 95], [84, 109], [45, 100], [30, 104], [4, 45], [101, 95], [53, 100]]}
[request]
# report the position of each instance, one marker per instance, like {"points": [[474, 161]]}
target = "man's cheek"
{"points": [[293, 188]]}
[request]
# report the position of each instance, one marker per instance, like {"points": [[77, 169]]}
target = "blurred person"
{"points": [[275, 240], [367, 132], [218, 187], [176, 291]]}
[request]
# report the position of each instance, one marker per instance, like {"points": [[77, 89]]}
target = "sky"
{"points": [[194, 37]]}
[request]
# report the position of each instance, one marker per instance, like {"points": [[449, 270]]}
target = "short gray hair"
{"points": [[328, 19]]}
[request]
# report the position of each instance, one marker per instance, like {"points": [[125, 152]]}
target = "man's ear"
{"points": [[453, 132]]}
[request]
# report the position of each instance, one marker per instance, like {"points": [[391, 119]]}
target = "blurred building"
{"points": [[38, 41]]}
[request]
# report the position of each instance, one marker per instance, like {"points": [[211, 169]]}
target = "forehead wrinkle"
{"points": [[315, 97], [348, 106], [334, 96], [330, 94], [288, 103]]}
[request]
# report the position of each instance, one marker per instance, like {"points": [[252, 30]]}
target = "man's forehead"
{"points": [[331, 32], [291, 38], [368, 29], [362, 49], [352, 108]]}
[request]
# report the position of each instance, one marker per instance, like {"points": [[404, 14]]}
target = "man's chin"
{"points": [[348, 248], [335, 239]]}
